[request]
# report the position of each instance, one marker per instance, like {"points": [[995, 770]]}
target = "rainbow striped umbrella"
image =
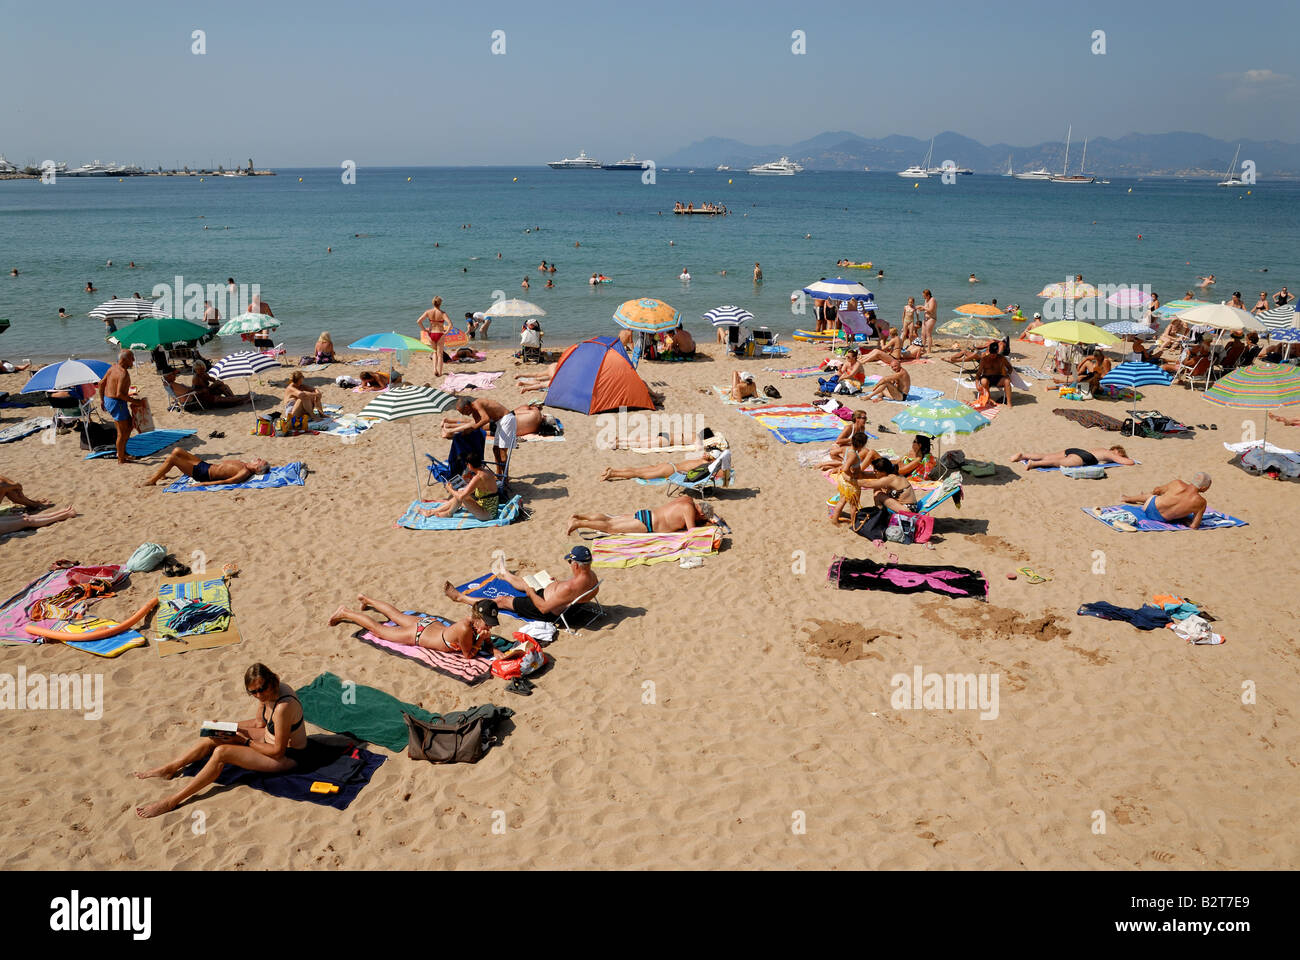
{"points": [[647, 315], [1261, 386], [1174, 307]]}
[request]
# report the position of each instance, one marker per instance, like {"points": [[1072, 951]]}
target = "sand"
{"points": [[733, 715]]}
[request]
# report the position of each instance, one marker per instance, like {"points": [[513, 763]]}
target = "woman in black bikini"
{"points": [[258, 745], [465, 637], [1074, 457]]}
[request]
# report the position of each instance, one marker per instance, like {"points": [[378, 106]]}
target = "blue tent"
{"points": [[596, 376]]}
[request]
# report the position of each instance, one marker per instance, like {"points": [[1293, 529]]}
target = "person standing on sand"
{"points": [[115, 395], [437, 326], [931, 318], [910, 327]]}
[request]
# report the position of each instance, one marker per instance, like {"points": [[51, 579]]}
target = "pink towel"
{"points": [[476, 381], [450, 664]]}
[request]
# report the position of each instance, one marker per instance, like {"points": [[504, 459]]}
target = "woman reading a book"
{"points": [[270, 743]]}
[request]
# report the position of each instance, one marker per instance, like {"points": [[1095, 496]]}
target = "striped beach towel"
{"points": [[146, 444], [1122, 516], [636, 549], [193, 607], [469, 672]]}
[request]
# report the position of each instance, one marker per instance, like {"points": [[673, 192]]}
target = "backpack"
{"points": [[908, 528], [696, 474]]}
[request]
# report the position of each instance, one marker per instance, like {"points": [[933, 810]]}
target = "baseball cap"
{"points": [[1038, 316], [487, 611], [579, 553]]}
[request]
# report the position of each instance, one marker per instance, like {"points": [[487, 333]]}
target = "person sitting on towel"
{"points": [[684, 513], [852, 373], [891, 490], [894, 385], [465, 637], [1074, 457], [478, 497], [273, 742], [206, 474], [742, 386], [300, 400], [547, 605], [484, 414], [1176, 501], [662, 471]]}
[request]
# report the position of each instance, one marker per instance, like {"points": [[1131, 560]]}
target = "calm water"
{"points": [[274, 231]]}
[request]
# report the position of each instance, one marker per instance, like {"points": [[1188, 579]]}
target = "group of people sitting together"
{"points": [[856, 467]]}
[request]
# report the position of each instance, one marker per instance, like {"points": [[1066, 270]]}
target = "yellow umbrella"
{"points": [[1059, 291], [979, 310], [1076, 331]]}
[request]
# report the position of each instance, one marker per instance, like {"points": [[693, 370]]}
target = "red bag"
{"points": [[533, 659]]}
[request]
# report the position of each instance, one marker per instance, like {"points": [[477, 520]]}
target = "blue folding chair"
{"points": [[720, 474]]}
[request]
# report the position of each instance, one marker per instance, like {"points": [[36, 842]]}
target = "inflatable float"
{"points": [[860, 266], [111, 630], [601, 278], [456, 337], [814, 336]]}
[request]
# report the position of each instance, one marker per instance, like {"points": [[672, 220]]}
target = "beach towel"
{"points": [[675, 448], [25, 429], [1032, 372], [1104, 466], [643, 549], [190, 607], [1121, 516], [491, 587], [914, 395], [13, 612], [289, 475], [412, 519], [340, 426], [852, 574], [724, 394], [452, 665], [483, 380], [364, 714], [1090, 418], [796, 373], [146, 444], [108, 647], [349, 767], [1146, 617]]}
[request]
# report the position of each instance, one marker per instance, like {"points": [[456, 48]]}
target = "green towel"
{"points": [[365, 713]]}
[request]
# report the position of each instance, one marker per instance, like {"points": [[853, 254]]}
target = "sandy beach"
{"points": [[770, 741]]}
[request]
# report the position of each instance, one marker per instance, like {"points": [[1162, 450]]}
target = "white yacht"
{"points": [[1230, 179], [6, 166], [785, 167], [919, 172], [723, 167], [1079, 178], [95, 169], [580, 162], [631, 163], [1042, 173]]}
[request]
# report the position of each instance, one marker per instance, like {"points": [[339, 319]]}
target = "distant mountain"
{"points": [[1132, 155]]}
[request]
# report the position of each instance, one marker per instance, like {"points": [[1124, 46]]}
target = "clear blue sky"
{"points": [[398, 82]]}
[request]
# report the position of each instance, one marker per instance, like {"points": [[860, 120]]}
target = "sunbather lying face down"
{"points": [[204, 473], [465, 637], [1074, 457], [684, 513], [550, 602], [1176, 501], [272, 742]]}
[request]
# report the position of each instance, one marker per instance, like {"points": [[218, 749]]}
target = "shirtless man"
{"points": [[995, 371], [12, 490], [683, 342], [115, 394], [1176, 501], [684, 513], [896, 384], [211, 315], [491, 416], [435, 323], [1074, 457], [1206, 282], [742, 386], [552, 601], [465, 637], [758, 273], [206, 474], [931, 310]]}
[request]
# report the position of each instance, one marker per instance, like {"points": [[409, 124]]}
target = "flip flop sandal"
{"points": [[1030, 576], [521, 686], [173, 567], [62, 564], [216, 435]]}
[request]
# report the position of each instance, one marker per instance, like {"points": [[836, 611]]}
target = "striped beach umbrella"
{"points": [[1128, 328], [131, 308], [1261, 386], [979, 310], [66, 374], [247, 323], [1136, 373], [728, 316], [397, 403], [1129, 297], [390, 343], [647, 315], [153, 332], [837, 288], [243, 366], [1285, 316]]}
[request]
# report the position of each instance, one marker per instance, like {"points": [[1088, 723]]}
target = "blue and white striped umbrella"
{"points": [[1127, 328], [66, 374], [840, 289], [1284, 334], [1284, 316], [728, 316], [242, 365], [1136, 373]]}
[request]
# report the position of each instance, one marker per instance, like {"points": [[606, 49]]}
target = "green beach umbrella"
{"points": [[970, 327], [154, 332], [398, 403], [940, 418], [247, 323]]}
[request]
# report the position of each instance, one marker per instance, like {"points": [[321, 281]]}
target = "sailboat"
{"points": [[1231, 179], [1010, 170], [921, 172], [1080, 178]]}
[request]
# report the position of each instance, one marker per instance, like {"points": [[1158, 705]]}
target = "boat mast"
{"points": [[1066, 169], [1083, 164]]}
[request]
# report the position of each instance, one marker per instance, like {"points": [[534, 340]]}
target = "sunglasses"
{"points": [[254, 693]]}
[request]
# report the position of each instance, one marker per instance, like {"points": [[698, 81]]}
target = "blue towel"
{"points": [[806, 434], [507, 513], [289, 475], [147, 444], [349, 768]]}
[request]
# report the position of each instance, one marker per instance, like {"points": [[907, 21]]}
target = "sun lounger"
{"points": [[720, 473]]}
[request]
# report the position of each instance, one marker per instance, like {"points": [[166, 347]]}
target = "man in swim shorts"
{"points": [[1176, 501], [684, 513], [115, 394], [894, 385], [487, 415], [552, 601], [204, 473], [1074, 457]]}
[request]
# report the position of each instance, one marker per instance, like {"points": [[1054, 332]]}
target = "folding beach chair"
{"points": [[950, 489], [176, 405], [720, 474], [599, 612]]}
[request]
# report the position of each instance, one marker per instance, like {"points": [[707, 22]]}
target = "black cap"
{"points": [[487, 612]]}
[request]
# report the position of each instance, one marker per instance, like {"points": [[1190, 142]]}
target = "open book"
{"points": [[212, 728], [539, 580]]}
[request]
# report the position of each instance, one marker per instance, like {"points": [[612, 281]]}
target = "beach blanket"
{"points": [[13, 612], [675, 448], [483, 380], [643, 549], [146, 444], [289, 475], [1090, 418], [348, 767], [412, 519], [914, 395], [851, 574], [724, 394], [491, 587], [452, 665], [805, 429], [25, 428], [1122, 517], [1104, 466], [107, 647], [364, 362], [1032, 372], [365, 713], [340, 426], [190, 607], [797, 372]]}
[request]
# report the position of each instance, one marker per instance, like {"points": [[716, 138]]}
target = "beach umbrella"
{"points": [[970, 327], [389, 343], [728, 316], [1059, 291], [1285, 316], [66, 375], [154, 332], [1287, 335], [1261, 386], [1220, 316], [1136, 373], [647, 315], [1128, 328], [979, 310], [939, 418], [398, 403], [1175, 308], [1076, 332], [247, 323], [1129, 297], [513, 308], [842, 290], [243, 365], [132, 308]]}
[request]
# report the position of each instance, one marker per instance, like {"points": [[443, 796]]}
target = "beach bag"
{"points": [[696, 474], [263, 428], [1094, 472], [141, 415], [908, 528], [460, 737], [828, 384], [534, 659], [147, 557]]}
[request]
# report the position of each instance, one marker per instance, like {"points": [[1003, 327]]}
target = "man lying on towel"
{"points": [[465, 637], [684, 513], [552, 601], [206, 474], [1176, 501]]}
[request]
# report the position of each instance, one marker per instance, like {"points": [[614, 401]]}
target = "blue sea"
{"points": [[274, 232]]}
